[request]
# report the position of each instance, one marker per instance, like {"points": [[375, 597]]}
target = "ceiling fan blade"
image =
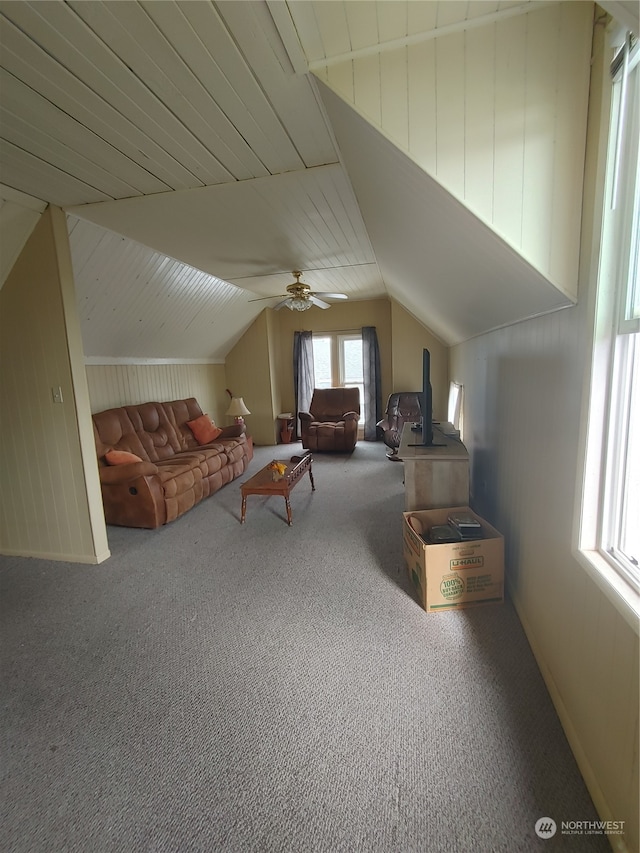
{"points": [[331, 295], [313, 297], [261, 298]]}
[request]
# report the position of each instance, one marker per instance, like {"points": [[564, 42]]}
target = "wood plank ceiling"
{"points": [[192, 130]]}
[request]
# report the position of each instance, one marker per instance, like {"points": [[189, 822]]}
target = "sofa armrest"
{"points": [[136, 502], [233, 431], [123, 473]]}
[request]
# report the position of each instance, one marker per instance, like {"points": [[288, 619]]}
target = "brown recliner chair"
{"points": [[332, 423], [402, 406]]}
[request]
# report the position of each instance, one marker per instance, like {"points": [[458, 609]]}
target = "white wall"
{"points": [[523, 405], [50, 504], [112, 385], [522, 426]]}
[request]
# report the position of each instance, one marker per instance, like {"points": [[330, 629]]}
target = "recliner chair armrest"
{"points": [[384, 424], [306, 416], [351, 416]]}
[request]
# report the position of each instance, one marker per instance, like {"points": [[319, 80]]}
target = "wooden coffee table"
{"points": [[263, 483]]}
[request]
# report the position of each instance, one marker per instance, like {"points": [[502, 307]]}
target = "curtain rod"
{"points": [[333, 331]]}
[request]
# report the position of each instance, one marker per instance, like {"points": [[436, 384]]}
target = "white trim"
{"points": [[526, 319], [622, 13], [625, 599], [618, 843], [105, 359], [88, 559], [429, 35]]}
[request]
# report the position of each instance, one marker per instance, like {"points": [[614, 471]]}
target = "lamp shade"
{"points": [[237, 408]]}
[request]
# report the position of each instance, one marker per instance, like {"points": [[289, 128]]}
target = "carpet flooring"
{"points": [[259, 687]]}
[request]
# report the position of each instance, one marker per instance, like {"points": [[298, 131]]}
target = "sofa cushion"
{"points": [[144, 430], [208, 459], [204, 430], [121, 457], [234, 450], [154, 430], [178, 477], [113, 430], [179, 412]]}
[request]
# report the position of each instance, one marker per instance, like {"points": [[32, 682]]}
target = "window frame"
{"points": [[614, 340], [614, 507]]}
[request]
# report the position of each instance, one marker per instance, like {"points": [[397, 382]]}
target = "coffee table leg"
{"points": [[244, 509], [313, 485], [288, 505]]}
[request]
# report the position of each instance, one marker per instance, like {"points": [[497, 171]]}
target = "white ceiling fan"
{"points": [[300, 297]]}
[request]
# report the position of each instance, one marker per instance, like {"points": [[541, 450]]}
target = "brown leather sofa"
{"points": [[332, 422], [174, 473]]}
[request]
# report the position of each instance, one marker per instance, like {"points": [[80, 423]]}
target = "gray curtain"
{"points": [[372, 388], [303, 381]]}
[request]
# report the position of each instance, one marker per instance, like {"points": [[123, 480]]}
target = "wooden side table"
{"points": [[286, 427]]}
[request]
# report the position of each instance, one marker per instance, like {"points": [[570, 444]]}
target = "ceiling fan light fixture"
{"points": [[299, 303]]}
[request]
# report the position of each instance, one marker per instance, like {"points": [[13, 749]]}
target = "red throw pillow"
{"points": [[120, 457], [204, 430]]}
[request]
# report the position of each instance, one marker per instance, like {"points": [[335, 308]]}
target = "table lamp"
{"points": [[237, 409]]}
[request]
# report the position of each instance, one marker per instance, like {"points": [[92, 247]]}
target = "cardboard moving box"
{"points": [[453, 575]]}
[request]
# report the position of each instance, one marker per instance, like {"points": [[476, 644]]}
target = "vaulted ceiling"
{"points": [[200, 163]]}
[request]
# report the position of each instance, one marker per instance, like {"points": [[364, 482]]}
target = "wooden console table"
{"points": [[436, 476]]}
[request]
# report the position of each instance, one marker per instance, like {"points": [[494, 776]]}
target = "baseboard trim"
{"points": [[617, 842], [89, 559]]}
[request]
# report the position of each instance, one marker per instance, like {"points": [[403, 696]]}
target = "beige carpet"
{"points": [[218, 687]]}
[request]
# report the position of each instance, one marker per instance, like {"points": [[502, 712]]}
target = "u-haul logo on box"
{"points": [[467, 563]]}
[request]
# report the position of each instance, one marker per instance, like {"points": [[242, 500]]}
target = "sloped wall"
{"points": [[497, 114]]}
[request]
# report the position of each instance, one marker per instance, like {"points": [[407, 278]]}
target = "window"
{"points": [[620, 529], [454, 408], [620, 539], [611, 509], [337, 363]]}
